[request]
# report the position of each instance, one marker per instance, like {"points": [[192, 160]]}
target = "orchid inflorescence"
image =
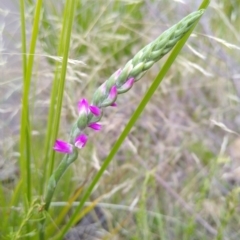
{"points": [[122, 80], [80, 141], [119, 82], [89, 115]]}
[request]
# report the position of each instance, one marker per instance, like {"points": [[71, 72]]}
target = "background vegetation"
{"points": [[177, 174]]}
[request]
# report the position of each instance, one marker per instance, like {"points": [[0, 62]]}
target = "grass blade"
{"points": [[59, 91], [25, 134], [54, 93], [65, 45]]}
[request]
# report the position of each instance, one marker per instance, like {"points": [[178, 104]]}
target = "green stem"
{"points": [[52, 184], [24, 70], [129, 126], [25, 134], [57, 174]]}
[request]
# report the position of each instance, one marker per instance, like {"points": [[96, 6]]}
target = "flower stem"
{"points": [[52, 184], [55, 177]]}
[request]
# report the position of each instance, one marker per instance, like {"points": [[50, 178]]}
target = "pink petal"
{"points": [[95, 126], [95, 110], [113, 92], [114, 104], [62, 146], [118, 72], [83, 106], [81, 141], [103, 88], [128, 84]]}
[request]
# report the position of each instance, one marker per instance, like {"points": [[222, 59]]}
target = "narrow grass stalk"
{"points": [[129, 125], [24, 71], [25, 134], [68, 22], [18, 234], [16, 195], [141, 216], [65, 44], [54, 94], [4, 206], [23, 36], [61, 216]]}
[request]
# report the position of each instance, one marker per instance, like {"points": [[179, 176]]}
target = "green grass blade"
{"points": [[3, 210], [141, 215], [58, 93], [24, 71], [23, 35], [15, 199], [129, 125], [25, 134], [54, 93], [65, 46]]}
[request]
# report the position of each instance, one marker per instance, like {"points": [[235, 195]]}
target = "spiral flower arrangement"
{"points": [[106, 95]]}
